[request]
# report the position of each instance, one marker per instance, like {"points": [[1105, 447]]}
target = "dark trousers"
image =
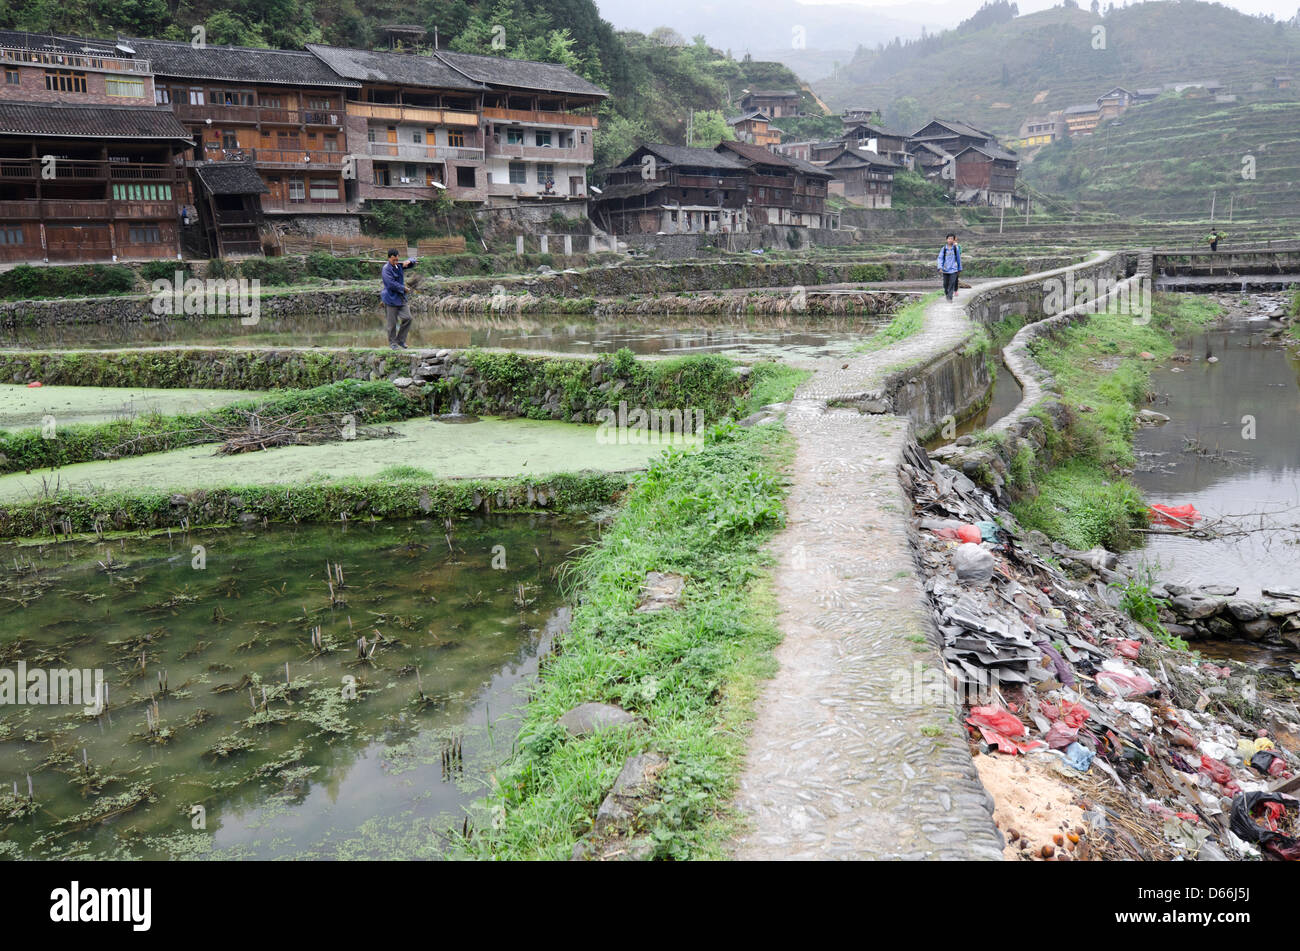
{"points": [[950, 284], [399, 323], [1214, 245]]}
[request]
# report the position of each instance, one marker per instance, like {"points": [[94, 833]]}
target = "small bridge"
{"points": [[1259, 268]]}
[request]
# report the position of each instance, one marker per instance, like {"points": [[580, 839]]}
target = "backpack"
{"points": [[956, 253]]}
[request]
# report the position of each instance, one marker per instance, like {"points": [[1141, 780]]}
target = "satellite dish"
{"points": [[437, 185], [596, 190]]}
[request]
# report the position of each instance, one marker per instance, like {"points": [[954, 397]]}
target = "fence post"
{"points": [[568, 245], [545, 245], [519, 245]]}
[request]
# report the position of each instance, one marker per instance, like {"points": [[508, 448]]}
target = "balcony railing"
{"points": [[541, 153], [219, 112], [395, 112], [50, 209], [297, 158], [73, 60], [539, 116], [32, 168], [290, 206], [423, 153]]}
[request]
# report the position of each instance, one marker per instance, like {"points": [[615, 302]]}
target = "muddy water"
{"points": [[1242, 416], [771, 339], [1006, 396], [317, 768]]}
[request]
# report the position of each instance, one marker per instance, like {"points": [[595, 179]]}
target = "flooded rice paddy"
{"points": [[651, 335], [242, 721]]}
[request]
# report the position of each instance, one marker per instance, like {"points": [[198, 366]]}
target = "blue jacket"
{"points": [[950, 260], [394, 293]]}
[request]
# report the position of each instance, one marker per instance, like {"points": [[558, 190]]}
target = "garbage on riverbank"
{"points": [[1150, 752]]}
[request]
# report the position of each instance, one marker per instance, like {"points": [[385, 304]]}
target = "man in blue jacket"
{"points": [[950, 265], [394, 298]]}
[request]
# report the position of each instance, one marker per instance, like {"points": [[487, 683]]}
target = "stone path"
{"points": [[845, 759]]}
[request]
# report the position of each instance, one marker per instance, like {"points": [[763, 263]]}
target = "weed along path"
{"points": [[840, 765]]}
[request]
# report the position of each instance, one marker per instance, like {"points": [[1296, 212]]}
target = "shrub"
{"points": [[267, 270]]}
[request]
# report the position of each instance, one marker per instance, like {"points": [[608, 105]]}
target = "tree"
{"points": [[709, 128]]}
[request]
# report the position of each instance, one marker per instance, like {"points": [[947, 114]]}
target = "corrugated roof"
{"points": [[520, 74], [18, 39], [405, 69], [86, 121], [238, 64], [231, 178]]}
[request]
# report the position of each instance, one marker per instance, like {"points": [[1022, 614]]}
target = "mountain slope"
{"points": [[995, 75]]}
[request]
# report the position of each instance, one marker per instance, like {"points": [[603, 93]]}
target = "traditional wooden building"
{"points": [[949, 135], [539, 125], [775, 103], [756, 128], [986, 175], [1114, 102], [1081, 119], [671, 189], [781, 190], [863, 178], [280, 111], [413, 127], [230, 207], [88, 165], [876, 138]]}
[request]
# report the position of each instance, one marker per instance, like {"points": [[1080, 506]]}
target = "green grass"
{"points": [[1085, 501], [909, 320], [691, 673]]}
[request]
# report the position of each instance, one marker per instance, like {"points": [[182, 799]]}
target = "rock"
{"points": [[1193, 607], [1258, 629], [401, 382], [1145, 355], [636, 781], [1184, 631], [1211, 359], [1244, 610], [591, 717], [1281, 593], [248, 518], [1219, 590], [660, 590], [1098, 558], [1150, 417], [1284, 610], [974, 564], [742, 372]]}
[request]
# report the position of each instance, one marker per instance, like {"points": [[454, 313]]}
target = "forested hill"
{"points": [[998, 67], [655, 80]]}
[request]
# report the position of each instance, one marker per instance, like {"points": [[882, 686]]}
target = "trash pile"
{"points": [[1163, 755]]}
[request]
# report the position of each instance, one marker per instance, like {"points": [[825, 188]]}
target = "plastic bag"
{"points": [[1002, 729], [1246, 806], [1177, 515]]}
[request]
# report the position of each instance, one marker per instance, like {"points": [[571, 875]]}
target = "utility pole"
{"points": [[1213, 196], [1002, 212], [1230, 198], [690, 128]]}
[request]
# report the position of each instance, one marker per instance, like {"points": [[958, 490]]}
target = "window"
{"points": [[64, 80], [229, 140], [125, 88], [514, 136], [542, 137], [371, 134], [271, 102], [145, 234], [324, 189], [11, 76], [12, 235], [297, 191], [456, 138], [331, 143], [315, 102], [518, 173], [381, 174], [162, 95], [412, 172], [545, 173], [195, 96], [465, 176], [417, 137]]}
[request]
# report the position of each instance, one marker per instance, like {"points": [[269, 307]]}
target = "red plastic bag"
{"points": [[1071, 714], [1128, 649], [969, 533], [1178, 515], [1124, 685], [1219, 772], [35, 383], [1002, 729]]}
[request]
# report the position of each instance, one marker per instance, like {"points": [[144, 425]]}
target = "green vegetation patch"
{"points": [[690, 672], [908, 321]]}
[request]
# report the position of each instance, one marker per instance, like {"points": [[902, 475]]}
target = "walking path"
{"points": [[841, 764]]}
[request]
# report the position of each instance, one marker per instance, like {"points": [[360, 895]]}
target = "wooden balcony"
{"points": [[297, 158], [423, 153], [396, 112], [99, 210], [304, 207], [230, 113], [541, 153], [62, 60], [539, 117], [29, 169]]}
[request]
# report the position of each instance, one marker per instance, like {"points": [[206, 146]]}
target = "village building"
{"points": [[88, 164], [850, 117], [800, 150], [412, 127], [672, 189], [539, 124], [1114, 103], [279, 111], [781, 190], [1281, 82], [932, 162], [1081, 119], [1040, 130], [775, 103], [755, 128], [985, 175], [949, 135], [876, 138], [862, 177]]}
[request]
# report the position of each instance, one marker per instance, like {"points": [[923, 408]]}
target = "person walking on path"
{"points": [[949, 264], [1214, 237], [394, 298]]}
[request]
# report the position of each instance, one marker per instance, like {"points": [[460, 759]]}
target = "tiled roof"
{"points": [[991, 152], [861, 157], [682, 155], [959, 128], [403, 69], [629, 189], [79, 121], [231, 178], [754, 153], [520, 74], [238, 64], [17, 39], [1081, 110]]}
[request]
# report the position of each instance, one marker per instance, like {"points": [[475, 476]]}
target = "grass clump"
{"points": [[690, 673], [908, 321]]}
